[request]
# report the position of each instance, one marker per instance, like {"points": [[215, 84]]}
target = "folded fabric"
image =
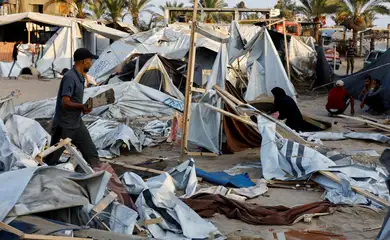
{"points": [[224, 179], [206, 205]]}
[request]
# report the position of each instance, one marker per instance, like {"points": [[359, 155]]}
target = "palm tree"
{"points": [[288, 9], [175, 4], [135, 7], [215, 17], [361, 12], [114, 10], [77, 6], [98, 8]]}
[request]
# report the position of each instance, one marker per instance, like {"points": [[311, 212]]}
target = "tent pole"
{"points": [[286, 48], [29, 32], [189, 83]]}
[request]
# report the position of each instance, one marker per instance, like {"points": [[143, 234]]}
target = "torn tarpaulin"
{"points": [[224, 179], [330, 136], [287, 160], [206, 205]]}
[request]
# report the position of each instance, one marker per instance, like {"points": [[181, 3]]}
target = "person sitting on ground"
{"points": [[287, 109], [374, 98], [367, 85], [339, 99]]}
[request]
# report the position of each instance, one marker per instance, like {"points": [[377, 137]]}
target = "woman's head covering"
{"points": [[278, 92]]}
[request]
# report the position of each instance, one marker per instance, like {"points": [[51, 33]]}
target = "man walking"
{"points": [[67, 122], [350, 55]]}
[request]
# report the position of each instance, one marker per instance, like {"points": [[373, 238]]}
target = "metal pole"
{"points": [[286, 49], [29, 32], [190, 79], [334, 59]]}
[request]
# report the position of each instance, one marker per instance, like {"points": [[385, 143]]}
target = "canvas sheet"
{"points": [[27, 134], [303, 59], [27, 184], [167, 85], [218, 72], [205, 127], [287, 160], [24, 60], [265, 69], [6, 108]]}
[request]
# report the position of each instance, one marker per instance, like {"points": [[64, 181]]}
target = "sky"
{"points": [[382, 21]]}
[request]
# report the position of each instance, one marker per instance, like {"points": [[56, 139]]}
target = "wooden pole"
{"points": [[29, 32], [286, 48], [334, 59], [189, 83]]}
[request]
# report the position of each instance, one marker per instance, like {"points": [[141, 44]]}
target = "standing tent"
{"points": [[154, 75]]}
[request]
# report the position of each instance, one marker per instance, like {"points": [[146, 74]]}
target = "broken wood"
{"points": [[102, 99], [22, 235], [314, 122], [206, 154], [371, 123], [103, 204], [199, 90], [238, 75], [52, 149], [152, 221], [362, 192], [143, 169], [80, 160]]}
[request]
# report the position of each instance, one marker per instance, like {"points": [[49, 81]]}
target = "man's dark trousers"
{"points": [[80, 138]]}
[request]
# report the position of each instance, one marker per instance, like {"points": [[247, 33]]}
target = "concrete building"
{"points": [[38, 6]]}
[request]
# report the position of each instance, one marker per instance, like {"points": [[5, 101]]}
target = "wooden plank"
{"points": [[52, 149], [49, 237], [206, 154], [238, 75], [143, 169], [10, 229], [79, 158], [199, 90], [314, 122], [152, 221], [189, 83], [286, 49], [362, 192], [366, 121], [103, 204]]}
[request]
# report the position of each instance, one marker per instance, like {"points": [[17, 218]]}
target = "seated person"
{"points": [[374, 97], [367, 84], [339, 99], [287, 109]]}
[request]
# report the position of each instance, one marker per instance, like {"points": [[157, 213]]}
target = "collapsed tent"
{"points": [[49, 42], [377, 70]]}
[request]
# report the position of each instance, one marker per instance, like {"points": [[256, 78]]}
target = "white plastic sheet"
{"points": [[27, 134], [303, 59], [218, 74], [270, 70], [6, 108]]}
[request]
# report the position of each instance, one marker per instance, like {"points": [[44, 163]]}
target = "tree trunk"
{"points": [[354, 38], [135, 19]]}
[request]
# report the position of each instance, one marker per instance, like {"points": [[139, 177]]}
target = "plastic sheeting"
{"points": [[268, 72], [287, 160], [303, 59], [236, 42], [205, 127], [107, 32], [165, 83], [6, 108], [27, 196], [218, 74], [331, 136], [27, 134], [182, 177]]}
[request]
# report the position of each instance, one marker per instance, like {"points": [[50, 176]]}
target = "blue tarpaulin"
{"points": [[224, 179]]}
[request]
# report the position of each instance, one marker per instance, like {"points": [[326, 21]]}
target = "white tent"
{"points": [[154, 75], [57, 52]]}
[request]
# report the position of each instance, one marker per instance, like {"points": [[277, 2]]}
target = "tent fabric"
{"points": [[224, 179], [266, 69], [207, 205], [236, 42], [218, 72], [303, 59], [205, 127], [38, 17], [239, 136], [377, 70], [107, 32], [153, 74]]}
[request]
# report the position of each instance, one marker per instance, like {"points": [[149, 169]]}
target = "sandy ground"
{"points": [[349, 221]]}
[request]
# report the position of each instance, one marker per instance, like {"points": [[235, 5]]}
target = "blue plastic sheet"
{"points": [[224, 179]]}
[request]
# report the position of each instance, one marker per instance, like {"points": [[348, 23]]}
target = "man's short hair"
{"points": [[368, 77]]}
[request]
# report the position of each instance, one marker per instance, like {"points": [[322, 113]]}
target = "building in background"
{"points": [[38, 6]]}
